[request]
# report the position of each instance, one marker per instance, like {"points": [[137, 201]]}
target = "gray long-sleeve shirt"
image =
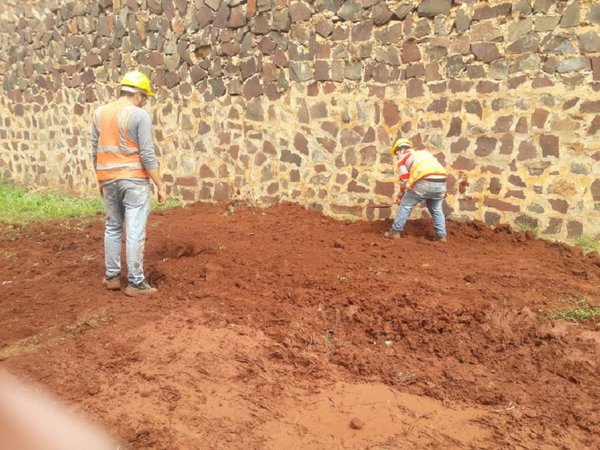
{"points": [[139, 130]]}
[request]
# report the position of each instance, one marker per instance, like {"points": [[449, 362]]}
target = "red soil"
{"points": [[283, 329]]}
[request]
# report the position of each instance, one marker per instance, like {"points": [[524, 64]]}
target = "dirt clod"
{"points": [[357, 424]]}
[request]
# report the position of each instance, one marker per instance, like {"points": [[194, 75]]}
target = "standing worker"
{"points": [[124, 160], [422, 177]]}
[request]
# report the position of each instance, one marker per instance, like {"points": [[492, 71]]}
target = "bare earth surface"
{"points": [[283, 329]]}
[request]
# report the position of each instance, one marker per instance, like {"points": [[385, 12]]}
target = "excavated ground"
{"points": [[284, 329]]}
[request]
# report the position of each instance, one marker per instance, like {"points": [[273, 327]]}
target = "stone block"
{"points": [[574, 65], [539, 117], [486, 32], [463, 163], [410, 52], [495, 186], [554, 226], [527, 43], [487, 87], [463, 21], [519, 28], [501, 205], [589, 42], [403, 9], [386, 189], [415, 70], [381, 14], [353, 71], [559, 205], [350, 11], [391, 34], [455, 66], [455, 130], [431, 8], [594, 126], [362, 31], [252, 87], [391, 114], [300, 12], [550, 145], [281, 20], [571, 15], [592, 106], [322, 71], [544, 24], [485, 146], [594, 14], [485, 51], [527, 150], [414, 88], [324, 28], [492, 12], [560, 45]]}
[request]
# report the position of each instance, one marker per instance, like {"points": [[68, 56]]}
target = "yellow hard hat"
{"points": [[138, 81], [399, 143]]}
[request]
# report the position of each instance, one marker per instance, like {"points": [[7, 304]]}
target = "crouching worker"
{"points": [[422, 178], [125, 161]]}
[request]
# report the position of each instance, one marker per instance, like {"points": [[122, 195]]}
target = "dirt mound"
{"points": [[281, 328]]}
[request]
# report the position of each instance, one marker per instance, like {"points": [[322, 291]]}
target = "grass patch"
{"points": [[20, 206], [588, 244], [579, 310], [525, 227], [577, 314], [170, 203]]}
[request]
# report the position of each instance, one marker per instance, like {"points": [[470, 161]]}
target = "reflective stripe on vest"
{"points": [[118, 156], [424, 165]]}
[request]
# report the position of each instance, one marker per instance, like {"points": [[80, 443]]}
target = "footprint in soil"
{"points": [[155, 277], [176, 250]]}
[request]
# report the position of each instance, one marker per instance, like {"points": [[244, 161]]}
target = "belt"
{"points": [[435, 180]]}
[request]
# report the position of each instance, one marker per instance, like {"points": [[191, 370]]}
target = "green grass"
{"points": [[20, 206], [588, 244], [579, 310], [577, 314], [524, 228]]}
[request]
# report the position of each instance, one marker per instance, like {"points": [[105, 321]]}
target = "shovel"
{"points": [[378, 206]]}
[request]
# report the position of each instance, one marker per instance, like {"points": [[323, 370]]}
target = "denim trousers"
{"points": [[126, 203], [433, 194]]}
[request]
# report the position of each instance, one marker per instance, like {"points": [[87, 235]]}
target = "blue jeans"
{"points": [[433, 194], [126, 201]]}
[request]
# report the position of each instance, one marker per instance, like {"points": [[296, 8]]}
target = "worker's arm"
{"points": [[147, 153], [94, 136]]}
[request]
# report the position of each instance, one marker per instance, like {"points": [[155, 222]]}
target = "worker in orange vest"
{"points": [[125, 161], [422, 178]]}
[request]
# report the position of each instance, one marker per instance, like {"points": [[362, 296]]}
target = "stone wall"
{"points": [[270, 100]]}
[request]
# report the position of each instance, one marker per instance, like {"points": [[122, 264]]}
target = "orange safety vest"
{"points": [[424, 165], [118, 156]]}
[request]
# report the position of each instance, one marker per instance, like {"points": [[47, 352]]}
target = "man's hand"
{"points": [[101, 190], [162, 196], [400, 195]]}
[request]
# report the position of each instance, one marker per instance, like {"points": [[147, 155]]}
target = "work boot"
{"points": [[393, 234], [112, 283], [440, 238], [143, 288]]}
